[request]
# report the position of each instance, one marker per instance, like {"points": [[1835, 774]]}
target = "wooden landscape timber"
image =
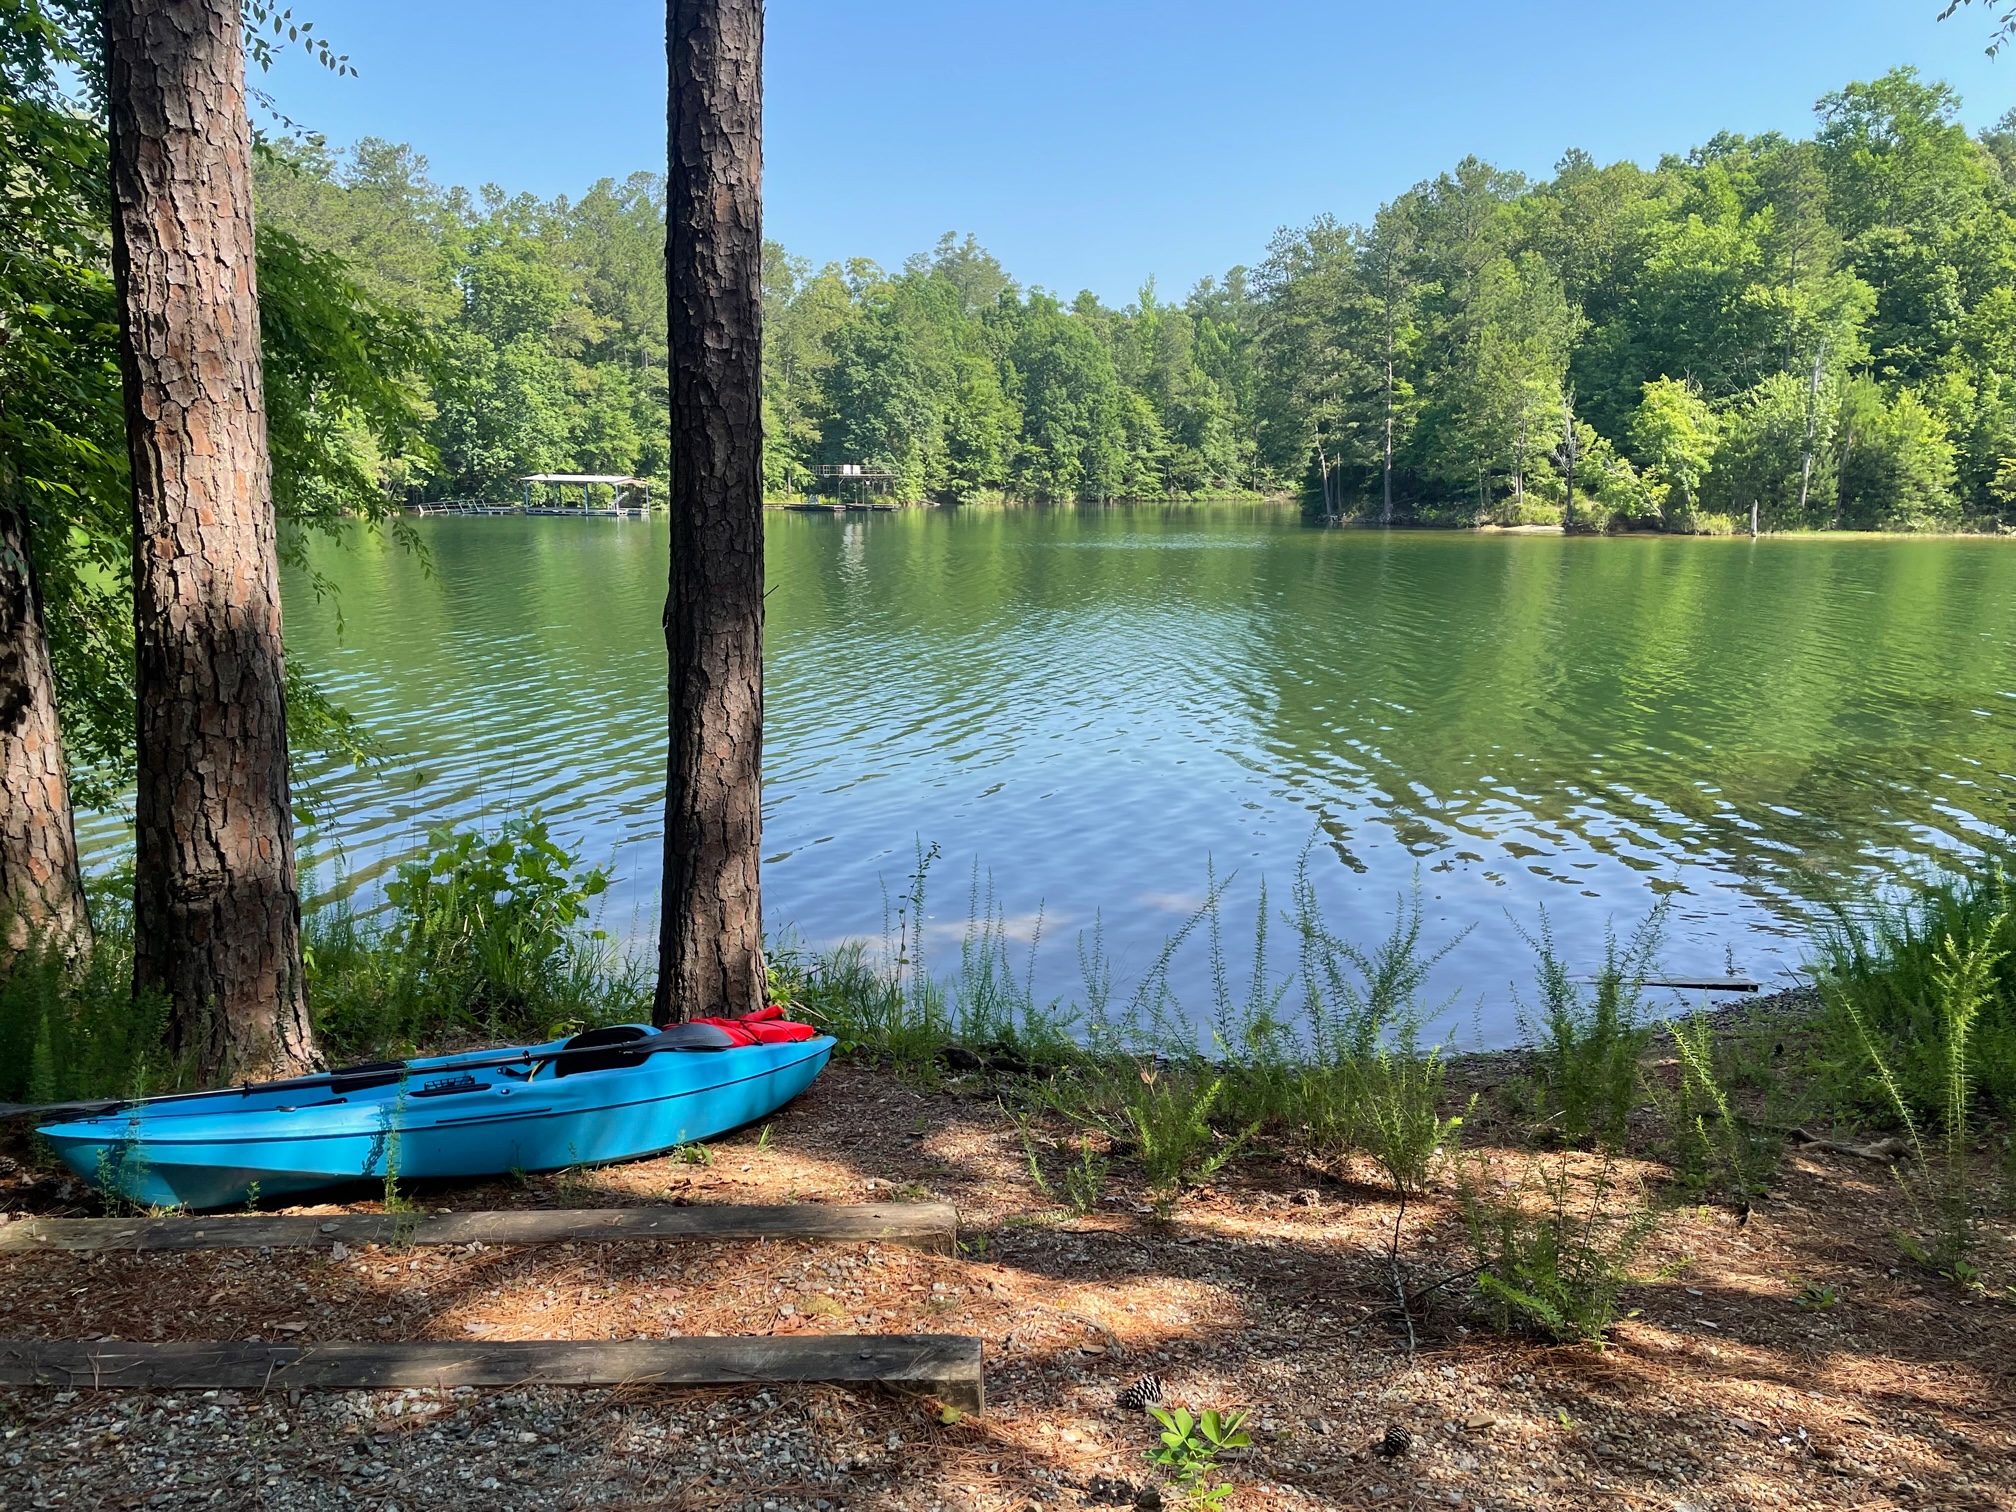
{"points": [[944, 1366], [928, 1226]]}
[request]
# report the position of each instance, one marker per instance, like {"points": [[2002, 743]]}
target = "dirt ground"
{"points": [[1269, 1291]]}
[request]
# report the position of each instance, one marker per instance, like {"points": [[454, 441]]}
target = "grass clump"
{"points": [[1159, 1116], [70, 1025], [1078, 1185], [888, 1005]]}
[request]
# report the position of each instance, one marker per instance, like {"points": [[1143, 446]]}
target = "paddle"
{"points": [[687, 1037]]}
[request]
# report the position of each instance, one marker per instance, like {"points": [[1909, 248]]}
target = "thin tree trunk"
{"points": [[41, 888], [710, 950], [1386, 475], [1812, 424], [1571, 452], [217, 918]]}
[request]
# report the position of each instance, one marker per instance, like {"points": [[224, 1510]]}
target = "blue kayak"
{"points": [[608, 1094]]}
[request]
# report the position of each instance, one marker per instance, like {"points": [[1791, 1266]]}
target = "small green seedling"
{"points": [[1191, 1446], [694, 1154], [1813, 1297]]}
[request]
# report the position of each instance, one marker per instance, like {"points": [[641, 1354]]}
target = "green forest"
{"points": [[1820, 331], [1805, 334]]}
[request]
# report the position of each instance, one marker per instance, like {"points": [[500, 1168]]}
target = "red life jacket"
{"points": [[766, 1026]]}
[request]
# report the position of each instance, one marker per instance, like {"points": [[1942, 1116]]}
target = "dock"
{"points": [[547, 493], [824, 506]]}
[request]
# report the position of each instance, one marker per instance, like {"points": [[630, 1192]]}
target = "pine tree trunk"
{"points": [[710, 949], [41, 888], [217, 918]]}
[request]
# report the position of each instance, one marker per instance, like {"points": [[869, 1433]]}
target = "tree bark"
{"points": [[710, 949], [217, 918], [41, 887]]}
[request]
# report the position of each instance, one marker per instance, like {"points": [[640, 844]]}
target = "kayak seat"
{"points": [[696, 1035], [362, 1078], [613, 1058]]}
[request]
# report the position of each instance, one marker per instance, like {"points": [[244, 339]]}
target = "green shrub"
{"points": [[1397, 1095], [1960, 986], [484, 937], [483, 923], [1554, 1267], [1879, 971], [1585, 1045]]}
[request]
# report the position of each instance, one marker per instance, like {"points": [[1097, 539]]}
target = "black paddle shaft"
{"points": [[687, 1037]]}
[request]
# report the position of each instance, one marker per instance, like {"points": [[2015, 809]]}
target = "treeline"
{"points": [[1821, 333], [346, 381], [550, 322], [547, 318]]}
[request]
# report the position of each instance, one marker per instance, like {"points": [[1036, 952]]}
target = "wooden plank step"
{"points": [[932, 1226], [946, 1366]]}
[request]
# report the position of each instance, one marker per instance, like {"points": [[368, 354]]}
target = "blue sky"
{"points": [[1091, 143]]}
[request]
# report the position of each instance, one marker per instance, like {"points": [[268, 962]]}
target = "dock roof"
{"points": [[579, 478]]}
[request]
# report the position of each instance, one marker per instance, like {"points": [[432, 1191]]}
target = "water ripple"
{"points": [[1096, 704]]}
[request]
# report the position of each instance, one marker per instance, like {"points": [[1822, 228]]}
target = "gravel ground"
{"points": [[530, 1450], [1270, 1292]]}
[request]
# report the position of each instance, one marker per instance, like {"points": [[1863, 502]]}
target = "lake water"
{"points": [[1096, 706]]}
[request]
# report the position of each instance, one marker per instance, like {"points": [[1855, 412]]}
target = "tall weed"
{"points": [[1586, 1044], [1713, 1145], [1554, 1253], [1353, 998], [1398, 1100], [1960, 985], [891, 1005]]}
